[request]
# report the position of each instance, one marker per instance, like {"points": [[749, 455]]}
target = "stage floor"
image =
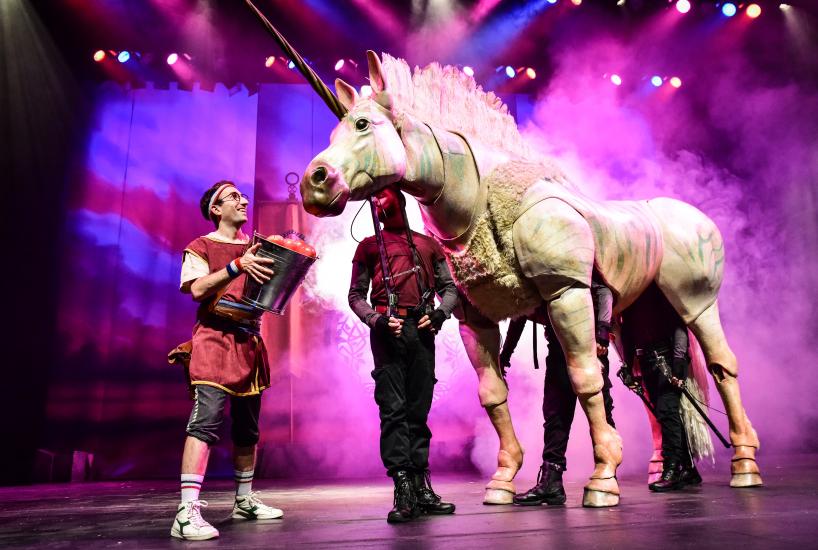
{"points": [[352, 515]]}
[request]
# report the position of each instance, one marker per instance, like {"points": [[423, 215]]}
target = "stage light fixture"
{"points": [[339, 64], [173, 58], [616, 79], [291, 65], [753, 11], [676, 82], [99, 55], [620, 2], [552, 1], [576, 2], [784, 7], [123, 56], [366, 90], [269, 61], [728, 9], [531, 73], [510, 72], [656, 80], [468, 70], [683, 6]]}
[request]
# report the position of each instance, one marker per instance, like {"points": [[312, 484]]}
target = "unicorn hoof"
{"points": [[499, 492], [599, 499], [746, 480]]}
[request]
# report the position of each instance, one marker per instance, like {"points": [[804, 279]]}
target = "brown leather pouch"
{"points": [[181, 354]]}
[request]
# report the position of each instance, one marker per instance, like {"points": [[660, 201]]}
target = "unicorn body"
{"points": [[517, 233]]}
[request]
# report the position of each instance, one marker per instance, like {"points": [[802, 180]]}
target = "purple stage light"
{"points": [[468, 70], [656, 80], [339, 64], [510, 72], [728, 9], [123, 56], [616, 80], [683, 6], [173, 58]]}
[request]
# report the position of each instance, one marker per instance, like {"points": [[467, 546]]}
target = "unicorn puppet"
{"points": [[516, 233]]}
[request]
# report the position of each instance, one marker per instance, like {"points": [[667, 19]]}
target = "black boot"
{"points": [[690, 475], [405, 506], [671, 479], [548, 490], [428, 501]]}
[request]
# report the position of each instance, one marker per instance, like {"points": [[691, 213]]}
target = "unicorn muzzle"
{"points": [[323, 190]]}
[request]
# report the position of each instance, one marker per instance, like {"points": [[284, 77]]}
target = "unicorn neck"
{"points": [[442, 173]]}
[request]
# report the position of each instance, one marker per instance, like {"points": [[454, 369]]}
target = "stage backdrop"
{"points": [[134, 206]]}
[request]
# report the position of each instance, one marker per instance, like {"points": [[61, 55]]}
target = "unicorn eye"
{"points": [[361, 124]]}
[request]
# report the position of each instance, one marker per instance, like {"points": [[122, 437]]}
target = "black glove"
{"points": [[437, 317], [626, 375], [381, 327]]}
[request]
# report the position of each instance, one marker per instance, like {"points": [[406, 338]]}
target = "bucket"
{"points": [[290, 269]]}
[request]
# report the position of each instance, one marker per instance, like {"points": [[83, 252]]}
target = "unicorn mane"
{"points": [[446, 97]]}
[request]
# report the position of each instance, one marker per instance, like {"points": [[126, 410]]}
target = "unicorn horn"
{"points": [[317, 84]]}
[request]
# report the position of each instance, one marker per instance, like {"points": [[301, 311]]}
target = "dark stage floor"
{"points": [[352, 515]]}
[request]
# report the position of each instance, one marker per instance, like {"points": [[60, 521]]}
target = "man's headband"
{"points": [[215, 197]]}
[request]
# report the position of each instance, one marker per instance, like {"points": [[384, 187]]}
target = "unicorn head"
{"points": [[365, 153]]}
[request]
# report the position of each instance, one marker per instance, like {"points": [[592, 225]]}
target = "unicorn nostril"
{"points": [[319, 175]]}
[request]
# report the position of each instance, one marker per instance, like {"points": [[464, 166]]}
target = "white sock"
{"points": [[244, 482], [191, 485]]}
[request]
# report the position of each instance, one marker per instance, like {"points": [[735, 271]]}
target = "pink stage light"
{"points": [[676, 82], [531, 73], [99, 55], [753, 11], [616, 80], [683, 6], [173, 58], [339, 64], [576, 2], [468, 70], [269, 61], [366, 90]]}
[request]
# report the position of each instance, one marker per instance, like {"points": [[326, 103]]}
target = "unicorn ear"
{"points": [[376, 79], [346, 94]]}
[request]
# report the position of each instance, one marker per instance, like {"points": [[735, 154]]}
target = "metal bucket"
{"points": [[290, 269]]}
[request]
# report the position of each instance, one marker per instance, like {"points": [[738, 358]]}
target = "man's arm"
{"points": [[449, 298], [358, 288], [515, 330], [255, 267]]}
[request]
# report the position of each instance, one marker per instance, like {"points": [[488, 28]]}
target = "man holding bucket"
{"points": [[227, 359], [403, 347]]}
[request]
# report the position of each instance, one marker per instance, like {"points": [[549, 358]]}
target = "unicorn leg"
{"points": [[723, 366], [572, 317], [482, 343]]}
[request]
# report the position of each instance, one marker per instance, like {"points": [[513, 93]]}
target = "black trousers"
{"points": [[559, 401], [666, 399], [404, 384]]}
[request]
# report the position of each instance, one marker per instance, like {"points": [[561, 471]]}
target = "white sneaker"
{"points": [[249, 506], [189, 523]]}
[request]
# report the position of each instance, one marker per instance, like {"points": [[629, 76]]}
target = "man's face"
{"points": [[388, 205], [231, 206]]}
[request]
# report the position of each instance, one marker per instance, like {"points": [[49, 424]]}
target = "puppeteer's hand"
{"points": [[392, 325], [433, 321], [257, 266], [601, 351]]}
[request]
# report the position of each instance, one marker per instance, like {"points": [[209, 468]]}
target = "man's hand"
{"points": [[391, 326], [601, 351], [256, 266], [433, 321]]}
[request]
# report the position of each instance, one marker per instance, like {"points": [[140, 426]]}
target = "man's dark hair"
{"points": [[204, 203]]}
